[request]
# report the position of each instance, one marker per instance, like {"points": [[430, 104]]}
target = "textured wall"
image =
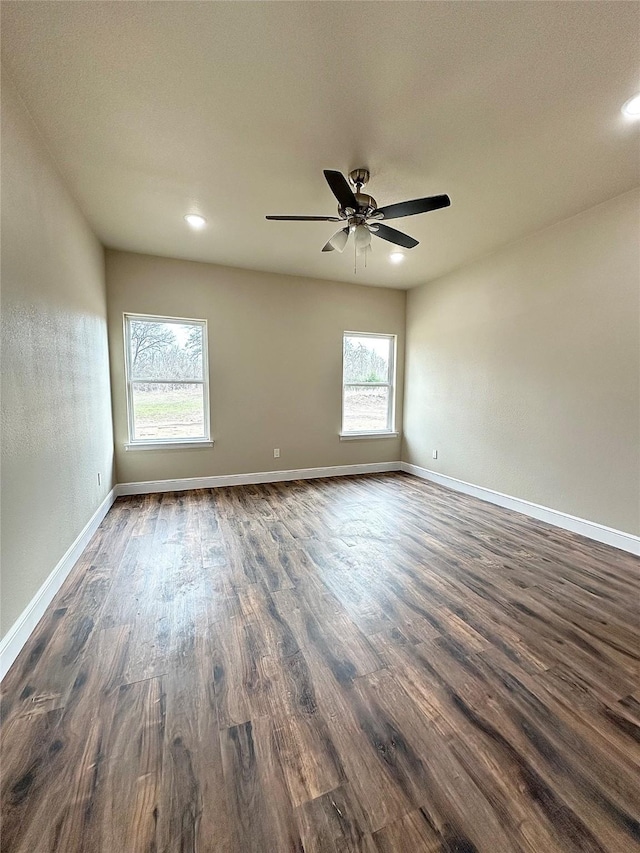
{"points": [[523, 369], [275, 364], [56, 409]]}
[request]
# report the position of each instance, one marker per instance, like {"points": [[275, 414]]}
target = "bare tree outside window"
{"points": [[368, 375], [168, 394], [362, 363]]}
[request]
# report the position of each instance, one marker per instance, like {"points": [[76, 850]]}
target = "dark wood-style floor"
{"points": [[366, 664]]}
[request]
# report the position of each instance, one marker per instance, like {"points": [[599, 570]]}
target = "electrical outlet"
{"points": [[435, 454], [276, 453], [99, 478]]}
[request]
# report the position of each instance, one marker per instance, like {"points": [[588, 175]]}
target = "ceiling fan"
{"points": [[362, 215]]}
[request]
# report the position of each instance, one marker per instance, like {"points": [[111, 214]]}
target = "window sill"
{"points": [[166, 445], [355, 436]]}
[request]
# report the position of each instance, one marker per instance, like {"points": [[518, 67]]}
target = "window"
{"points": [[167, 382], [368, 376]]}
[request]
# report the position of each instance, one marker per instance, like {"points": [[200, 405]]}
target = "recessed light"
{"points": [[196, 221], [396, 257], [632, 108]]}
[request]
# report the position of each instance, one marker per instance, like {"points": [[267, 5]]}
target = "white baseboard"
{"points": [[19, 633], [152, 486], [599, 532]]}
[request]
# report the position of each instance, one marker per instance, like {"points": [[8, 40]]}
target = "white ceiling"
{"points": [[233, 109]]}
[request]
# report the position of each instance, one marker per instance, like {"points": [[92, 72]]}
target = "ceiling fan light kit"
{"points": [[338, 241], [363, 216]]}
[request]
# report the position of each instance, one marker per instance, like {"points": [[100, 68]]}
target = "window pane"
{"points": [[167, 411], [366, 359], [365, 409], [165, 350]]}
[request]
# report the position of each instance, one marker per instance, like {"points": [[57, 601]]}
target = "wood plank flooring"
{"points": [[370, 664]]}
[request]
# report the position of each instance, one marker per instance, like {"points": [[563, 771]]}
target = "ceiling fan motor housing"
{"points": [[366, 205], [358, 178]]}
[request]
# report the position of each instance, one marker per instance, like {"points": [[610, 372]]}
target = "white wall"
{"points": [[275, 364], [56, 403], [523, 369]]}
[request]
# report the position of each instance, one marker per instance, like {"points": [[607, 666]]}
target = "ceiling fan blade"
{"points": [[337, 242], [341, 189], [394, 236], [306, 218], [410, 208]]}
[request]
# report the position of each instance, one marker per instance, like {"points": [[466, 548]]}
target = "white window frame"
{"points": [[389, 431], [166, 443]]}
